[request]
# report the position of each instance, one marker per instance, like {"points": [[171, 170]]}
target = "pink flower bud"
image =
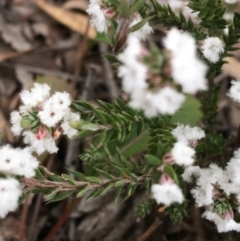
{"points": [[42, 133], [165, 179], [168, 158], [108, 12], [57, 132], [192, 143], [228, 215], [215, 194]]}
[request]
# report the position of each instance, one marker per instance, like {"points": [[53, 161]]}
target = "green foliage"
{"points": [[211, 145], [108, 118], [210, 13], [143, 209], [164, 15], [209, 106], [176, 212], [161, 138], [233, 34], [221, 206], [80, 184]]}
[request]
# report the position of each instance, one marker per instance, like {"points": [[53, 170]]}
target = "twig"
{"points": [[31, 183], [23, 219], [108, 73], [150, 230]]}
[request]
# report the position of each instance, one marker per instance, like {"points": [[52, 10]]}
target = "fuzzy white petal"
{"points": [[167, 194]]}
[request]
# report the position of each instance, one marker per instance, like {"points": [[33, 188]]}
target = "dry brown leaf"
{"points": [[75, 21], [12, 34], [76, 4], [232, 67]]}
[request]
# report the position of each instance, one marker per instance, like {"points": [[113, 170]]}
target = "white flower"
{"points": [[17, 161], [61, 100], [10, 192], [212, 48], [39, 145], [187, 69], [179, 43], [188, 134], [50, 115], [168, 100], [15, 120], [190, 172], [98, 19], [203, 195], [38, 94], [223, 225], [189, 72], [182, 154], [234, 91], [68, 118], [167, 194]]}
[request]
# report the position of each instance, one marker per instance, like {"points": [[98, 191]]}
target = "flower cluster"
{"points": [[182, 154], [42, 117], [147, 80], [102, 12], [14, 162], [212, 48], [215, 189]]}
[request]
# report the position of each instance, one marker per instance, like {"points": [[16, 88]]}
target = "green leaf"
{"points": [[189, 113], [55, 178], [51, 195], [93, 180], [68, 179], [153, 160], [112, 58], [135, 144], [118, 193], [94, 194], [140, 24], [103, 173], [136, 6], [119, 183], [60, 196], [39, 175], [106, 189], [84, 125], [79, 175], [82, 192], [130, 190], [168, 169]]}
